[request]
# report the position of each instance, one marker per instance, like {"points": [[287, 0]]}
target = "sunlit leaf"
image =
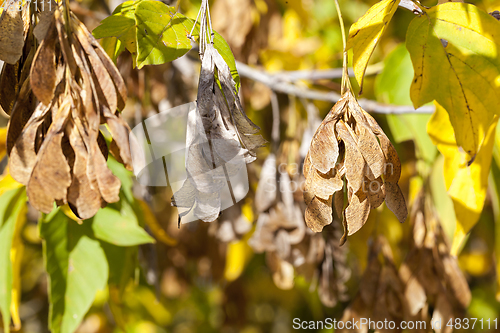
{"points": [[77, 268], [150, 220], [122, 26], [466, 184], [12, 210], [237, 255], [154, 33], [454, 50], [365, 34], [392, 86], [16, 257], [119, 227]]}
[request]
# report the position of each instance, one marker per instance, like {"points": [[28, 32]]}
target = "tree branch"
{"points": [[277, 83]]}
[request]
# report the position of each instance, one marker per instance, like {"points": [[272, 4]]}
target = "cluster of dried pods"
{"points": [[351, 158], [291, 248], [222, 138], [55, 146], [428, 286], [431, 275]]}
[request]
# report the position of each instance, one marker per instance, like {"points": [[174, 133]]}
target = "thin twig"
{"points": [[324, 74], [277, 85]]}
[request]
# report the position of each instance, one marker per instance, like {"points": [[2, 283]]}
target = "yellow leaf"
{"points": [[454, 51], [7, 182], [69, 213], [151, 221], [237, 255], [364, 35], [466, 184], [3, 142], [16, 255]]}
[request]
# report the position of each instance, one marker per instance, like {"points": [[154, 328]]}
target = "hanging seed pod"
{"points": [[60, 154], [351, 158], [224, 138]]}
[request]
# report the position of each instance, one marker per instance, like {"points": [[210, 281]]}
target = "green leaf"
{"points": [[454, 50], [125, 177], [155, 33], [122, 26], [119, 227], [77, 268], [392, 86], [12, 203], [365, 34], [161, 33]]}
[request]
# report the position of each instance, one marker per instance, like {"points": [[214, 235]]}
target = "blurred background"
{"points": [[258, 266]]}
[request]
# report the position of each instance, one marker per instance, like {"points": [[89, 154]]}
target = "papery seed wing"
{"points": [[207, 206], [81, 195], [11, 32], [392, 168], [395, 201], [318, 214], [23, 157], [20, 114], [372, 153], [51, 177], [120, 132], [356, 213], [354, 163], [375, 190], [103, 83], [245, 127], [46, 17], [338, 203], [43, 71], [324, 150], [120, 86], [324, 186]]}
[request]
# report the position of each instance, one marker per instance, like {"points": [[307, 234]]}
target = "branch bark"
{"points": [[277, 83]]}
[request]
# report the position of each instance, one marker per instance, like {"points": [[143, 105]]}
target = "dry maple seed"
{"points": [[351, 158], [58, 152]]}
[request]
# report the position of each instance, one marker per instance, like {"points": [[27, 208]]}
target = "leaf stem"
{"points": [[346, 84]]}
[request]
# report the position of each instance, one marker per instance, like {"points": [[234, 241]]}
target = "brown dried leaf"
{"points": [[43, 72], [357, 211], [45, 19], [51, 175], [11, 32], [370, 148], [121, 89], [81, 195], [319, 213], [324, 150], [415, 295], [109, 184], [22, 158], [20, 114], [395, 201], [120, 131], [354, 162], [338, 203], [443, 312], [392, 166], [375, 189], [64, 43], [323, 186], [458, 286], [9, 86]]}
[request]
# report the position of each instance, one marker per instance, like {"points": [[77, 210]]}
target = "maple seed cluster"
{"points": [[57, 149], [350, 158]]}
